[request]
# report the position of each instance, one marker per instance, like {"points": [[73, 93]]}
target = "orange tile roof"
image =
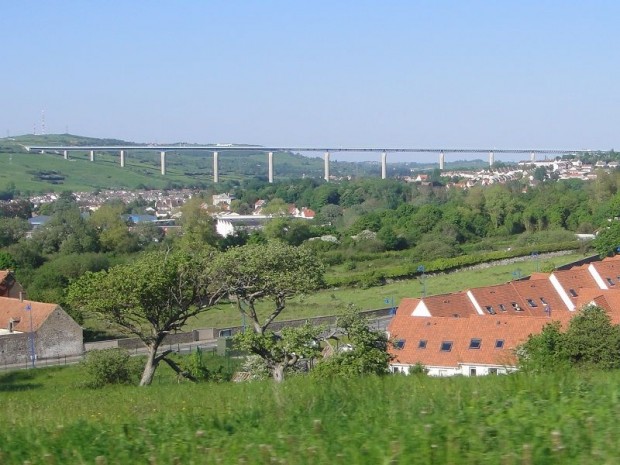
{"points": [[16, 310], [450, 305], [461, 331]]}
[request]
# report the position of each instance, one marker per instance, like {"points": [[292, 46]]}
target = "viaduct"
{"points": [[217, 149]]}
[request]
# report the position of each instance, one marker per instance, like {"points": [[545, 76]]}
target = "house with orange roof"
{"points": [[476, 332], [36, 330], [9, 287]]}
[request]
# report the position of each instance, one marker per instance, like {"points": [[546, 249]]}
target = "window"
{"points": [[499, 343], [531, 303], [492, 371], [422, 344], [611, 282], [472, 371], [502, 307], [490, 310], [572, 292], [475, 343], [542, 299], [517, 307], [399, 344], [446, 346]]}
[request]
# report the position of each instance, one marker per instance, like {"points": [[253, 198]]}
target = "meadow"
{"points": [[336, 300], [563, 418]]}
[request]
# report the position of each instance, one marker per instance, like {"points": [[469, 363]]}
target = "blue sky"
{"points": [[502, 74]]}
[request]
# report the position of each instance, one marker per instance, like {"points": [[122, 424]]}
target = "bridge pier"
{"points": [[65, 154], [383, 165], [163, 162], [216, 174], [122, 158], [326, 177], [270, 163], [442, 161], [92, 155], [491, 158]]}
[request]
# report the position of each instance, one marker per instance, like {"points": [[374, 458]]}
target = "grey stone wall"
{"points": [[59, 336], [14, 348]]}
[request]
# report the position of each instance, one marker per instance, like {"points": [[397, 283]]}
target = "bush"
{"points": [[110, 366]]}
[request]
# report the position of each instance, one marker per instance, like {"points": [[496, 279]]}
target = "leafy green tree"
{"points": [[282, 350], [271, 272], [150, 297], [591, 341], [366, 352], [12, 230], [197, 224], [607, 241], [6, 261]]}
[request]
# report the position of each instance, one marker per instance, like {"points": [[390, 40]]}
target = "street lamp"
{"points": [[31, 336], [422, 279], [535, 257], [390, 301]]}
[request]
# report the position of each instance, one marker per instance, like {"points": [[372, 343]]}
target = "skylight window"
{"points": [[422, 344], [446, 346], [531, 303], [611, 282], [499, 343], [572, 292], [490, 310], [517, 307], [542, 299], [399, 344], [475, 343], [502, 307]]}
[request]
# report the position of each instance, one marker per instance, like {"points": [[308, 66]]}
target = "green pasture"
{"points": [[567, 418], [334, 301]]}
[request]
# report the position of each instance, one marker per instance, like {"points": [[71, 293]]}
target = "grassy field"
{"points": [[334, 301], [567, 418]]}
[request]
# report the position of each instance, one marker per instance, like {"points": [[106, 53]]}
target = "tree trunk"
{"points": [[278, 372], [149, 367]]}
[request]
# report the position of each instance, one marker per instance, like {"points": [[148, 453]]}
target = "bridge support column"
{"points": [[92, 155], [442, 161], [65, 154], [326, 177], [383, 165], [163, 162], [491, 158], [216, 174], [122, 158], [532, 156], [270, 163]]}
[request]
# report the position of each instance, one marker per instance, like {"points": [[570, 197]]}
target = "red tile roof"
{"points": [[16, 310]]}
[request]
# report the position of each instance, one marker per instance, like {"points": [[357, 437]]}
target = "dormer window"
{"points": [[502, 307], [517, 307], [544, 302], [490, 310], [446, 346]]}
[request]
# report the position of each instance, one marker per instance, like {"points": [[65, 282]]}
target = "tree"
{"points": [[590, 341], [150, 297], [607, 241], [282, 350], [270, 272], [197, 224], [367, 350], [12, 230]]}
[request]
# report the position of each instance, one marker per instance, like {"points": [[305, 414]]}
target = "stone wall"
{"points": [[59, 336], [14, 348]]}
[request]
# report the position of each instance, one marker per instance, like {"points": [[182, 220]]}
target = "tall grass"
{"points": [[557, 418]]}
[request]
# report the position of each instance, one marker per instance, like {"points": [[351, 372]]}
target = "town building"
{"points": [[477, 332]]}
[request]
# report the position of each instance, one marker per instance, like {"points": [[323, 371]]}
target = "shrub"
{"points": [[109, 366]]}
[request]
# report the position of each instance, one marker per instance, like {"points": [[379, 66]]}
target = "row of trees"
{"points": [[157, 293]]}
